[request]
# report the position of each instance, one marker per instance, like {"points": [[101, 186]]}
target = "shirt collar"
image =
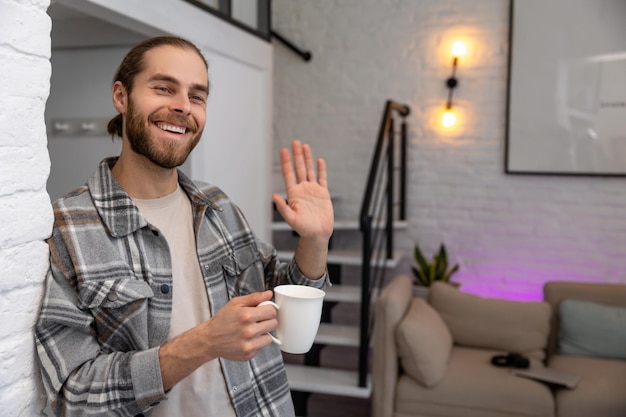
{"points": [[117, 210]]}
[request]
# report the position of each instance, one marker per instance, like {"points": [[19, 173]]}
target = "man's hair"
{"points": [[134, 62]]}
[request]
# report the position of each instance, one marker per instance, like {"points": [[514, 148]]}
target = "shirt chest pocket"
{"points": [[120, 311], [243, 272]]}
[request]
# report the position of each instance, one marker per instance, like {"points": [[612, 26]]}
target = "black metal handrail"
{"points": [[306, 55], [381, 205]]}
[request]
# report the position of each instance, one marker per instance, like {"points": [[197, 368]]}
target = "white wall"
{"points": [[235, 152], [80, 89], [509, 233], [24, 204]]}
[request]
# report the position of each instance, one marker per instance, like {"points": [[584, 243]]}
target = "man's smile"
{"points": [[172, 128]]}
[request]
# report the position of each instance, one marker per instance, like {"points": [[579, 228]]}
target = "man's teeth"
{"points": [[170, 128]]}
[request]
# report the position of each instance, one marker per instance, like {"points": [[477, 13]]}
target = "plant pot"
{"points": [[422, 292]]}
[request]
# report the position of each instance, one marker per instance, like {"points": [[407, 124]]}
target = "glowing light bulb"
{"points": [[458, 49], [448, 119]]}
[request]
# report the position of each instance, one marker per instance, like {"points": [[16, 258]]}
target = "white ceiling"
{"points": [[74, 29], [58, 12]]}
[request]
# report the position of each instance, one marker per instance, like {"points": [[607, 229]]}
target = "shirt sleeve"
{"points": [[80, 378], [277, 272]]}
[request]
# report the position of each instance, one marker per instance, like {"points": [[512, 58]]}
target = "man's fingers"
{"points": [[298, 161], [287, 168], [310, 166], [322, 173], [254, 299], [301, 167], [282, 206], [266, 313]]}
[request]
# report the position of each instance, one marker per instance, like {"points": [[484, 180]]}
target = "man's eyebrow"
{"points": [[168, 78], [201, 87]]}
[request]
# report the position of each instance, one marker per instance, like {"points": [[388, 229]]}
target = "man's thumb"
{"points": [[256, 298]]}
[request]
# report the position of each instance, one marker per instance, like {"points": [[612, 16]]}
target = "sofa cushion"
{"points": [[592, 329], [473, 387], [557, 291], [600, 392], [511, 326], [424, 343]]}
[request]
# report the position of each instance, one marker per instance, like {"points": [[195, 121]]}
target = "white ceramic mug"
{"points": [[299, 313]]}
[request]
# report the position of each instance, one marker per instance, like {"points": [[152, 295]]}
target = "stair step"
{"points": [[349, 257], [337, 335], [326, 381], [343, 294], [343, 225]]}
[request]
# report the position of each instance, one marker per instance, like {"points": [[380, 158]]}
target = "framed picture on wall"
{"points": [[567, 88]]}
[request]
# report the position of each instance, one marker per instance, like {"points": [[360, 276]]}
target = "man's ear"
{"points": [[120, 97]]}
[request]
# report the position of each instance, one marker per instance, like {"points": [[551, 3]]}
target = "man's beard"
{"points": [[171, 154]]}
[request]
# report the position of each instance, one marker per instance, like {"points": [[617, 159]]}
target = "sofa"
{"points": [[433, 357]]}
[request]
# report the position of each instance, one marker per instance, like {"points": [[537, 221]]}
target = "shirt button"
{"points": [[234, 388], [165, 288], [112, 296]]}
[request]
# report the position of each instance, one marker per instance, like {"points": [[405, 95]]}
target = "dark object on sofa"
{"points": [[513, 360]]}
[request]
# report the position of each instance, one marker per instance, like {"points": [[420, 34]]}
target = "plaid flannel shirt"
{"points": [[107, 302]]}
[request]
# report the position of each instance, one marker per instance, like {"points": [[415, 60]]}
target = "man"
{"points": [[150, 305]]}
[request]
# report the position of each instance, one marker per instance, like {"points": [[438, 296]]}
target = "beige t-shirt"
{"points": [[203, 393]]}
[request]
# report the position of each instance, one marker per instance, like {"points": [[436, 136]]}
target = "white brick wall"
{"points": [[24, 204], [509, 233]]}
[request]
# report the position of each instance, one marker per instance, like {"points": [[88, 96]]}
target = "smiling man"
{"points": [[150, 307]]}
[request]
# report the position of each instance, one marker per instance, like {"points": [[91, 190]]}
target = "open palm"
{"points": [[308, 208]]}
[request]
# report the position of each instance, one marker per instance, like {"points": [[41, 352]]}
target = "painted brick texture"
{"points": [[24, 203], [509, 233]]}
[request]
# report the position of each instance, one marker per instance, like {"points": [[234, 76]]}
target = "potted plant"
{"points": [[426, 271]]}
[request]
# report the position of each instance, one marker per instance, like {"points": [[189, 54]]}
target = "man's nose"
{"points": [[181, 104]]}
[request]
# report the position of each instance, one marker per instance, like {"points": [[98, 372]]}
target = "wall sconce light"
{"points": [[458, 50]]}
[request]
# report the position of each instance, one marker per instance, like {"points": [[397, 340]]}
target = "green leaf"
{"points": [[436, 267], [443, 254], [426, 271], [451, 272], [420, 259], [420, 278]]}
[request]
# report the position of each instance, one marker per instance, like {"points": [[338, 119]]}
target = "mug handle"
{"points": [[273, 304]]}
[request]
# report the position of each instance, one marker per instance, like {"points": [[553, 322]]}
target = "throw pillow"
{"points": [[489, 323], [424, 343], [592, 329]]}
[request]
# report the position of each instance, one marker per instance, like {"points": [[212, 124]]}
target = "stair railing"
{"points": [[383, 202], [305, 55]]}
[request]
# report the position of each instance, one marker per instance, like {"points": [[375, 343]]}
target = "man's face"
{"points": [[166, 110]]}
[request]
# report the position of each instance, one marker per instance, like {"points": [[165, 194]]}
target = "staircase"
{"points": [[360, 253]]}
